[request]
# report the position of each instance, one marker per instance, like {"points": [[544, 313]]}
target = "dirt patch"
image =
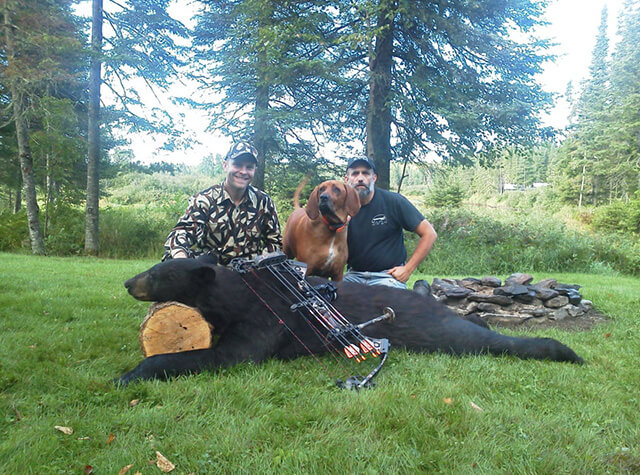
{"points": [[583, 323]]}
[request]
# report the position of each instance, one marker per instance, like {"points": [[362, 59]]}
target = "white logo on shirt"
{"points": [[379, 220]]}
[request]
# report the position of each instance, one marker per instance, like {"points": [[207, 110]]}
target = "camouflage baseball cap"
{"points": [[242, 149]]}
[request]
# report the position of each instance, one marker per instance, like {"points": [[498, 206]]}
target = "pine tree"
{"points": [[448, 77], [269, 72], [623, 124], [39, 38], [144, 44]]}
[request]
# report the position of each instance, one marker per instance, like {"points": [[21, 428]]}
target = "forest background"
{"points": [[442, 95]]}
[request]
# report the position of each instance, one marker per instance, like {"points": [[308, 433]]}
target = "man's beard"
{"points": [[364, 192]]}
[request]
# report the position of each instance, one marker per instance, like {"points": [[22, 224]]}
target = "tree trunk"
{"points": [[403, 174], [28, 181], [17, 205], [261, 132], [581, 187], [261, 126], [378, 107], [93, 135], [24, 150]]}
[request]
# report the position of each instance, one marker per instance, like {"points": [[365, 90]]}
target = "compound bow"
{"points": [[314, 305]]}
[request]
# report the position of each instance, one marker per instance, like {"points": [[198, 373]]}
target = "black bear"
{"points": [[252, 315]]}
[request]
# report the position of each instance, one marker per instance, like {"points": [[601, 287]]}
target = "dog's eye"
{"points": [[321, 189], [336, 190]]}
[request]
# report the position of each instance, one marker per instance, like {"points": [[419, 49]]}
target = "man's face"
{"points": [[362, 179], [239, 172]]}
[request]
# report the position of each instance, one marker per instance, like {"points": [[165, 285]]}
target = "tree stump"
{"points": [[171, 327]]}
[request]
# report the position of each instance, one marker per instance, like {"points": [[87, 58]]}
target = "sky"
{"points": [[573, 26]]}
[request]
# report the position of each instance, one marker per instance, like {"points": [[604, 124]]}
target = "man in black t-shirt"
{"points": [[377, 255]]}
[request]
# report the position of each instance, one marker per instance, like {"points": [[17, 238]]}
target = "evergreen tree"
{"points": [[448, 76], [270, 76], [39, 44], [623, 124], [143, 44]]}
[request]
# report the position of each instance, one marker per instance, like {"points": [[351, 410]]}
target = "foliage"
{"points": [[599, 159], [135, 232], [266, 65], [146, 49], [68, 327], [446, 192], [473, 244], [618, 216], [13, 230]]}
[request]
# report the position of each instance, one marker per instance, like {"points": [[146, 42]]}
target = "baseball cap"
{"points": [[361, 160], [242, 149]]}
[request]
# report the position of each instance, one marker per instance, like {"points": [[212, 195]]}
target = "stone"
{"points": [[518, 279], [574, 311], [422, 287], [488, 307], [574, 297], [544, 293], [490, 298], [511, 290], [545, 284], [558, 314], [456, 292], [470, 308], [441, 284], [471, 283], [559, 286], [586, 305], [529, 297], [490, 281], [557, 302], [538, 312]]}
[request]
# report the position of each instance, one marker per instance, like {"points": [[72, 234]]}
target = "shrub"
{"points": [[65, 235], [445, 193], [14, 232], [474, 244], [611, 217]]}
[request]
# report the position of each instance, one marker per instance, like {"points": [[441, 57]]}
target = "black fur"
{"points": [[250, 332]]}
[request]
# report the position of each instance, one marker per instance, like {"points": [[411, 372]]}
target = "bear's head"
{"points": [[179, 280]]}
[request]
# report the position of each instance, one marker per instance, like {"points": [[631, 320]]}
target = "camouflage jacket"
{"points": [[215, 225]]}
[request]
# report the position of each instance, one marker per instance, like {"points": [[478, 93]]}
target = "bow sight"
{"points": [[314, 305]]}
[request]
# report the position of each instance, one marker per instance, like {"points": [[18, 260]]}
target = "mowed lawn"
{"points": [[68, 327]]}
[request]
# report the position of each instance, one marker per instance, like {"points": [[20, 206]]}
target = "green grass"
{"points": [[67, 327]]}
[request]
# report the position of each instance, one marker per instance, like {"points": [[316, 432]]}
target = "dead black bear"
{"points": [[249, 331]]}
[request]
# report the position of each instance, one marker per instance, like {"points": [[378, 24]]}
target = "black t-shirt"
{"points": [[375, 235]]}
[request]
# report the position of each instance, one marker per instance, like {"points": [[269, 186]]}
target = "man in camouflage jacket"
{"points": [[232, 219]]}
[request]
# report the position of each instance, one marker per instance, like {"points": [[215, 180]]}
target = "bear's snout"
{"points": [[135, 286]]}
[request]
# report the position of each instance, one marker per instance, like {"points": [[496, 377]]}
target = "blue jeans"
{"points": [[374, 278]]}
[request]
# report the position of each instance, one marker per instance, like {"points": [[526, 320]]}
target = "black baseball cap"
{"points": [[361, 160], [244, 150]]}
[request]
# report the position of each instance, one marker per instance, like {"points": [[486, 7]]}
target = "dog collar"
{"points": [[336, 228]]}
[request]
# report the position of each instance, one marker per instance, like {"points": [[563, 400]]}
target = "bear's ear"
{"points": [[204, 273], [210, 259]]}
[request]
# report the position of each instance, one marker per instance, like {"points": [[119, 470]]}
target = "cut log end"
{"points": [[172, 327]]}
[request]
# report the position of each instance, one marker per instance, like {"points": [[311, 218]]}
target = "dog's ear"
{"points": [[353, 201], [312, 209]]}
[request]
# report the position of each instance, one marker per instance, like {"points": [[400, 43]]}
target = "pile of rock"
{"points": [[513, 302]]}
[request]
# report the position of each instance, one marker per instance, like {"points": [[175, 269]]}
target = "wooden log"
{"points": [[171, 327]]}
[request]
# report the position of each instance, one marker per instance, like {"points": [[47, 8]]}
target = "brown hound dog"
{"points": [[317, 234]]}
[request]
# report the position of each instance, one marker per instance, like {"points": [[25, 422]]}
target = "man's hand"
{"points": [[179, 254], [400, 273]]}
